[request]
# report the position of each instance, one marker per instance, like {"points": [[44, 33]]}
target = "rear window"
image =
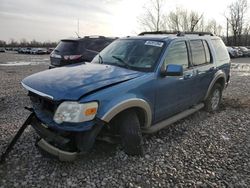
{"points": [[88, 45], [69, 47], [220, 50]]}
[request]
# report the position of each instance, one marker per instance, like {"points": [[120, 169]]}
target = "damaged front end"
{"points": [[62, 140], [66, 146]]}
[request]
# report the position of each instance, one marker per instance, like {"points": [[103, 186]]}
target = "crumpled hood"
{"points": [[72, 82]]}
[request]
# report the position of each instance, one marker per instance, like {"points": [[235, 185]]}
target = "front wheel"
{"points": [[130, 131], [214, 99]]}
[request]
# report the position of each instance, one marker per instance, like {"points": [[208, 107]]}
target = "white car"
{"points": [[233, 53]]}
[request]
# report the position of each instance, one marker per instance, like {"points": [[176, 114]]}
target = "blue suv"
{"points": [[135, 85]]}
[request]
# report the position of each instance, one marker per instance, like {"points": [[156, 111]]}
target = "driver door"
{"points": [[175, 93]]}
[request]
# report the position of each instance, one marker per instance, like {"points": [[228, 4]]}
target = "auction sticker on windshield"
{"points": [[154, 43]]}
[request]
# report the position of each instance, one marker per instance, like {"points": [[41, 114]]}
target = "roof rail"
{"points": [[94, 36], [177, 33]]}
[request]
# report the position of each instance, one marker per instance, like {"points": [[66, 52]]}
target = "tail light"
{"points": [[72, 57]]}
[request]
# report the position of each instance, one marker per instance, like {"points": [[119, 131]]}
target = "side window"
{"points": [[207, 52], [198, 52], [177, 54], [91, 45], [220, 49]]}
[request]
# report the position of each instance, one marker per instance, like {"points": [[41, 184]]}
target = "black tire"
{"points": [[213, 101], [130, 131]]}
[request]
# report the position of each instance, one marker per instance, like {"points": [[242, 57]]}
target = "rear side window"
{"points": [[98, 44], [198, 52], [92, 44], [177, 54], [220, 50]]}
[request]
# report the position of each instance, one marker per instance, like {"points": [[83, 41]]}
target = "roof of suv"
{"points": [[164, 36], [88, 37]]}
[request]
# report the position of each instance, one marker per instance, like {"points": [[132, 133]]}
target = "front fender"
{"points": [[121, 104]]}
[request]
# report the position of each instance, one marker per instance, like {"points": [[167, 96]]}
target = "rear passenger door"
{"points": [[203, 67]]}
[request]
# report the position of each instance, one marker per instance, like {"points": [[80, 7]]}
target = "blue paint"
{"points": [[110, 85]]}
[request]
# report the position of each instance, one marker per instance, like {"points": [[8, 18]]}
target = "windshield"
{"points": [[130, 53]]}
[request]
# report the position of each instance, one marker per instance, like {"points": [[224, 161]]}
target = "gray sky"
{"points": [[52, 20]]}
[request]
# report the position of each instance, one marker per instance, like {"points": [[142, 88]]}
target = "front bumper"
{"points": [[65, 145], [60, 154]]}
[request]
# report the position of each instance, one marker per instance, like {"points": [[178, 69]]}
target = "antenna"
{"points": [[77, 33], [78, 26]]}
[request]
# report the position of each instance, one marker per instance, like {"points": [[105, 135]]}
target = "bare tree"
{"points": [[154, 18], [2, 43], [183, 20], [213, 27], [194, 19], [246, 33], [236, 18]]}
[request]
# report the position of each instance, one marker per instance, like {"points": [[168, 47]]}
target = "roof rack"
{"points": [[177, 33], [94, 36]]}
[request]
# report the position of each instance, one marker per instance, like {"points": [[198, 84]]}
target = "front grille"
{"points": [[42, 104]]}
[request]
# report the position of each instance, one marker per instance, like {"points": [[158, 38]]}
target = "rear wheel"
{"points": [[214, 99], [130, 132]]}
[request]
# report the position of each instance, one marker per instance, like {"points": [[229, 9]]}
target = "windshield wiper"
{"points": [[121, 61], [100, 59]]}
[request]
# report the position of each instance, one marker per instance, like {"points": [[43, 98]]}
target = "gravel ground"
{"points": [[203, 150]]}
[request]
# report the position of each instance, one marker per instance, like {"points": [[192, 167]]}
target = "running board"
{"points": [[173, 119]]}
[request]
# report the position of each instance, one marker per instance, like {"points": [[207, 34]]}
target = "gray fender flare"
{"points": [[219, 74], [130, 103]]}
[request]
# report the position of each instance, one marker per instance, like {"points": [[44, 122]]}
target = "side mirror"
{"points": [[173, 70]]}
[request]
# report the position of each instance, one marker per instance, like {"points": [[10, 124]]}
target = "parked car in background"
{"points": [[70, 51], [33, 51], [24, 50], [39, 51], [135, 85], [240, 53], [8, 49], [49, 50], [233, 53], [245, 51], [2, 49]]}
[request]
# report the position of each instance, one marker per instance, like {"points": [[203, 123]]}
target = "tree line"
{"points": [[25, 43], [180, 19]]}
